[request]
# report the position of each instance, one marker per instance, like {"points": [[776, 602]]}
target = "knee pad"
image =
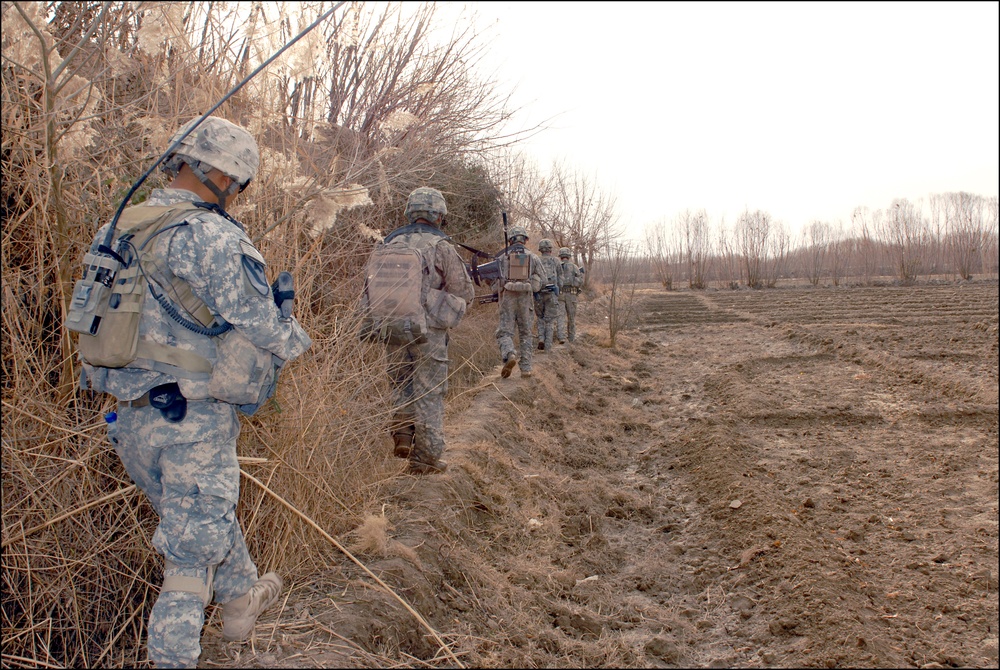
{"points": [[201, 585]]}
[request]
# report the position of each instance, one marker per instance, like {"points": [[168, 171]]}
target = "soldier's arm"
{"points": [[456, 279], [227, 272]]}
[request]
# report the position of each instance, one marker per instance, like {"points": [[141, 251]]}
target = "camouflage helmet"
{"points": [[565, 252], [219, 144], [518, 231], [425, 203], [545, 245]]}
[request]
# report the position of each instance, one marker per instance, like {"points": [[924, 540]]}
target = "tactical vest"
{"points": [[107, 317]]}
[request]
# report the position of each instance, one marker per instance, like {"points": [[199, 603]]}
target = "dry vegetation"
{"points": [[365, 108], [353, 117]]}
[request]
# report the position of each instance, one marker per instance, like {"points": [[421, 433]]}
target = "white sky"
{"points": [[802, 110]]}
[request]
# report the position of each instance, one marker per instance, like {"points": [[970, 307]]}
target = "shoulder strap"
{"points": [[415, 228]]}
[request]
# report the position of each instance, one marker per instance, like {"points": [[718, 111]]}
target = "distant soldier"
{"points": [[520, 278], [547, 297], [571, 279], [437, 294]]}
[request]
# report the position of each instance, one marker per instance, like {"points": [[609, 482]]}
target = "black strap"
{"points": [[425, 228], [216, 209]]}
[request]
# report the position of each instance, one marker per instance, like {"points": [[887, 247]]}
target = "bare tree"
{"points": [[730, 269], [753, 230], [816, 241], [838, 254], [582, 213], [866, 223], [622, 275], [661, 252], [966, 228], [904, 232], [776, 257], [694, 231], [991, 237]]}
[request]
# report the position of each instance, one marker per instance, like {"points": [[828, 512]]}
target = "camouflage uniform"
{"points": [[517, 312], [188, 469], [547, 300], [571, 280], [420, 371]]}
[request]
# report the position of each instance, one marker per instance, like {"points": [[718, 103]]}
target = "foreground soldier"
{"points": [[520, 277], [420, 369], [547, 297], [571, 279], [173, 433]]}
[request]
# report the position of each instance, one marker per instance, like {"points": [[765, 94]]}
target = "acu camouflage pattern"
{"points": [[572, 280], [546, 302], [517, 315], [425, 200], [420, 371], [189, 469], [223, 145], [190, 474]]}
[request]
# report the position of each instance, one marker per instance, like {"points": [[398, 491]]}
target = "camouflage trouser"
{"points": [[547, 314], [420, 375], [190, 474], [567, 316], [517, 314]]}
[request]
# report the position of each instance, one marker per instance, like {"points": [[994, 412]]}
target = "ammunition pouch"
{"points": [[517, 286], [243, 372], [444, 310]]}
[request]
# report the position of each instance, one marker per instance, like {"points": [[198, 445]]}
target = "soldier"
{"points": [[520, 278], [547, 298], [174, 434], [571, 279], [420, 370]]}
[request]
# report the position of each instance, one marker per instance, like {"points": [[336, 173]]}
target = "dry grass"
{"points": [[78, 569]]}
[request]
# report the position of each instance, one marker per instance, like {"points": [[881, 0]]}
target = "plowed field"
{"points": [[780, 478]]}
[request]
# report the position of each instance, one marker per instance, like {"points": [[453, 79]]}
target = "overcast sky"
{"points": [[802, 110]]}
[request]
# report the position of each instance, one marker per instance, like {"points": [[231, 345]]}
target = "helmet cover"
{"points": [[425, 203], [222, 145]]}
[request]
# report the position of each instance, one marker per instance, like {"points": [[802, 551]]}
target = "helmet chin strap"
{"points": [[221, 196]]}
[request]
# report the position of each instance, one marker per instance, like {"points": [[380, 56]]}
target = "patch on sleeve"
{"points": [[254, 268]]}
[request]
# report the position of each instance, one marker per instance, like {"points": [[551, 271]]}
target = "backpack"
{"points": [[393, 282], [399, 302], [107, 303], [519, 266]]}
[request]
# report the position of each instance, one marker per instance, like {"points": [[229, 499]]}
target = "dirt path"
{"points": [[782, 478]]}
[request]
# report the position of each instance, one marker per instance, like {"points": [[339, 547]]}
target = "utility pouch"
{"points": [[241, 371], [444, 310], [168, 399]]}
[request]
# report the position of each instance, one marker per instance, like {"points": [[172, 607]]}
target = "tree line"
{"points": [[952, 236]]}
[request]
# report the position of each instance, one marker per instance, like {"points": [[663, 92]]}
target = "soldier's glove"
{"points": [[283, 290], [555, 289]]}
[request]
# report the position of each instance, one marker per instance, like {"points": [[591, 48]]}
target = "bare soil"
{"points": [[783, 478]]}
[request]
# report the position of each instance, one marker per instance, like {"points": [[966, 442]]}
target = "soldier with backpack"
{"points": [[416, 288], [571, 279], [547, 297], [183, 329], [520, 278]]}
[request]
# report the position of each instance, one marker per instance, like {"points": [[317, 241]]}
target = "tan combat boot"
{"points": [[240, 615], [508, 365]]}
